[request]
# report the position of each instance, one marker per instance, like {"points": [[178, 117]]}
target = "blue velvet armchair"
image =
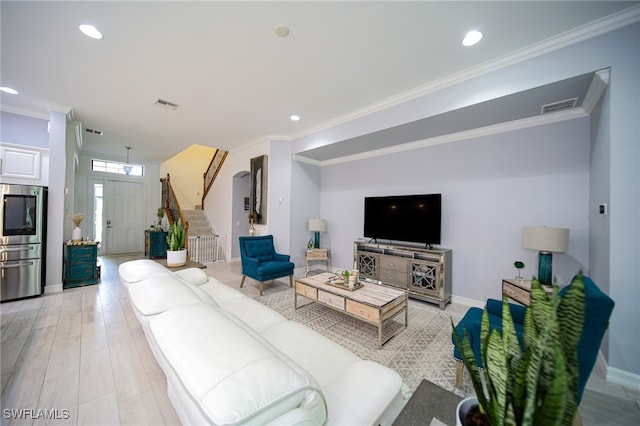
{"points": [[598, 308], [261, 262]]}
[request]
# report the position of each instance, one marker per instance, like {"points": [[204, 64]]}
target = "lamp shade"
{"points": [[317, 225], [546, 239]]}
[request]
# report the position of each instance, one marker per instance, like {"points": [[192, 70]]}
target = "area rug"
{"points": [[423, 350], [429, 405]]}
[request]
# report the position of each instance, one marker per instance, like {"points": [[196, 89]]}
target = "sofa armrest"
{"points": [[281, 257], [518, 312], [296, 417]]}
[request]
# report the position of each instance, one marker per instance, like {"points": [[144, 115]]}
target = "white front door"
{"points": [[123, 214]]}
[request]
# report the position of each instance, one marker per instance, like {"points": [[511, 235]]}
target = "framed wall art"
{"points": [[258, 192]]}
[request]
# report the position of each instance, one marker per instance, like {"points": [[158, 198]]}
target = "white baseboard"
{"points": [[623, 378], [53, 288], [468, 302]]}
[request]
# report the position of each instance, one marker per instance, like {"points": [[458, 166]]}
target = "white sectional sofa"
{"points": [[231, 360]]}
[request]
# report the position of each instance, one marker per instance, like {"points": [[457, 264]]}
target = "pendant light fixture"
{"points": [[127, 166]]}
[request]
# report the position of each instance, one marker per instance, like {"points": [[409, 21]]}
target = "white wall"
{"points": [[218, 203], [57, 200], [228, 220], [279, 195], [240, 226]]}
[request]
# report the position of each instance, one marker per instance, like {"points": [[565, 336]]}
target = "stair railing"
{"points": [[172, 208], [212, 171]]}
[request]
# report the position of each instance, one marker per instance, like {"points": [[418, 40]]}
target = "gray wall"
{"points": [[305, 204], [491, 188], [23, 130], [611, 253]]}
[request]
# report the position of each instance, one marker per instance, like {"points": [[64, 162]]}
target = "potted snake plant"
{"points": [[176, 253], [536, 383]]}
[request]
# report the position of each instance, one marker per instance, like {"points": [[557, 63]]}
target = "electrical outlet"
{"points": [[602, 209]]}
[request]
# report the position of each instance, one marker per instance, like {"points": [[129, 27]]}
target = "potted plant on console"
{"points": [[534, 382], [176, 253]]}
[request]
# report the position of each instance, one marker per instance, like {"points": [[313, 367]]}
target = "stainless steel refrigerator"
{"points": [[23, 223]]}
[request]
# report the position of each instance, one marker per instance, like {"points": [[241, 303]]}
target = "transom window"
{"points": [[117, 168]]}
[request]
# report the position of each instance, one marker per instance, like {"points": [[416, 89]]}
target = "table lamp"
{"points": [[317, 226], [546, 240]]}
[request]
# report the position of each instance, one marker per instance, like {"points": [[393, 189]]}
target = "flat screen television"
{"points": [[410, 218]]}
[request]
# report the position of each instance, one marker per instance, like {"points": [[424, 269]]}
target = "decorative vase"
{"points": [[76, 234], [176, 258]]}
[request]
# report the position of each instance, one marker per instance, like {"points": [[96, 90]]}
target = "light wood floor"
{"points": [[81, 357]]}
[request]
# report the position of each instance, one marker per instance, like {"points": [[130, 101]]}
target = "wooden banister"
{"points": [[212, 171], [172, 208]]}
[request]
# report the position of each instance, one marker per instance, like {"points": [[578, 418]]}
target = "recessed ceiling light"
{"points": [[282, 30], [295, 117], [472, 38], [90, 31], [9, 90]]}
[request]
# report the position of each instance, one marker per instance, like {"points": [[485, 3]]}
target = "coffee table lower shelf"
{"points": [[373, 304]]}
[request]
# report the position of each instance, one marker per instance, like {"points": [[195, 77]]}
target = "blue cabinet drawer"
{"points": [[82, 254]]}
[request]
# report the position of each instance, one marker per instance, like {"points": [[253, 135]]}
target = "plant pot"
{"points": [[463, 408], [176, 258]]}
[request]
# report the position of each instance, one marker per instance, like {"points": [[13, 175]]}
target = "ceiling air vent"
{"points": [[166, 104], [559, 106], [95, 132]]}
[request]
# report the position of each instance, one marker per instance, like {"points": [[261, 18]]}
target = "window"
{"points": [[97, 211], [117, 168]]}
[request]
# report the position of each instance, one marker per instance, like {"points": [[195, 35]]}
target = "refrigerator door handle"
{"points": [[15, 265], [7, 250]]}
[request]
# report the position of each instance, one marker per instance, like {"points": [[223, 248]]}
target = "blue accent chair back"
{"points": [[598, 309], [261, 262]]}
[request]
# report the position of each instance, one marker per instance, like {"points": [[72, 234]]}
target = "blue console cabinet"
{"points": [[155, 244], [80, 265]]}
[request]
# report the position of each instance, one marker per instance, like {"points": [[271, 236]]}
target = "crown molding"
{"points": [[593, 29], [596, 89], [302, 159], [25, 112], [539, 120]]}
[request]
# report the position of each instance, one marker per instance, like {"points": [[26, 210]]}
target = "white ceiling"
{"points": [[236, 81]]}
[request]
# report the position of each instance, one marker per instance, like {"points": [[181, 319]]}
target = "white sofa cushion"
{"points": [[159, 294], [251, 312], [142, 269], [217, 360], [195, 276], [221, 292]]}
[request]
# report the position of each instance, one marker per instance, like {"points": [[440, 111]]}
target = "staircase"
{"points": [[204, 245], [198, 222]]}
